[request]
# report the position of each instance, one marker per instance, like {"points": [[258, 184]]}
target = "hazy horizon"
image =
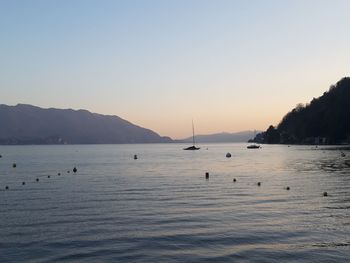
{"points": [[228, 65]]}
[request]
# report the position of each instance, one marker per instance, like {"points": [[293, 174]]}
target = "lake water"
{"points": [[160, 208]]}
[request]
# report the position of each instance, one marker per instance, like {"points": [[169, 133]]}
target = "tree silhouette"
{"points": [[326, 118]]}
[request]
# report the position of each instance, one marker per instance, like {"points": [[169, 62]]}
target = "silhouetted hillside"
{"points": [[325, 120], [243, 136], [26, 124]]}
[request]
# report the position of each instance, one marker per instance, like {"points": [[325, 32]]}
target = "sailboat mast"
{"points": [[193, 147], [192, 133]]}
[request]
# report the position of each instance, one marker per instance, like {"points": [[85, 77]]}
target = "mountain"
{"points": [[325, 120], [27, 124], [243, 136]]}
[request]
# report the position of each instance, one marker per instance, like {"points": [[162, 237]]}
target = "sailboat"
{"points": [[193, 147]]}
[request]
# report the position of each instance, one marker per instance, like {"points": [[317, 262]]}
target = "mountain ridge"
{"points": [[28, 124]]}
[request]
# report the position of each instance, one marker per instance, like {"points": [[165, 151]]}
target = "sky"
{"points": [[228, 65]]}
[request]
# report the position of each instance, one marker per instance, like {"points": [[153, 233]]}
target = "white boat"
{"points": [[254, 146]]}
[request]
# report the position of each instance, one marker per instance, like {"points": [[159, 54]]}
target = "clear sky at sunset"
{"points": [[229, 65]]}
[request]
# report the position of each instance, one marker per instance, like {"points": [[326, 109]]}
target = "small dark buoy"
{"points": [[23, 183], [206, 175], [0, 156], [59, 174], [6, 187], [287, 188], [342, 154], [325, 194], [75, 169], [37, 179], [234, 180], [259, 183], [68, 172], [135, 157], [228, 155], [14, 165], [48, 176]]}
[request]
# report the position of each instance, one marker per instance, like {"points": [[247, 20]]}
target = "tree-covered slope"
{"points": [[325, 120]]}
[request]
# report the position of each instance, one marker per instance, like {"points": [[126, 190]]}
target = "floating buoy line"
{"points": [[37, 179]]}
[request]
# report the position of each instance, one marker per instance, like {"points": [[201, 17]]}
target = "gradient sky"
{"points": [[229, 65]]}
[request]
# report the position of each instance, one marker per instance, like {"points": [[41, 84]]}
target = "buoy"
{"points": [[259, 183], [37, 179], [14, 165], [75, 169], [342, 154], [23, 183], [135, 157], [48, 176], [325, 194], [206, 175], [234, 180], [228, 155], [287, 188], [59, 174], [68, 172], [0, 156], [6, 187]]}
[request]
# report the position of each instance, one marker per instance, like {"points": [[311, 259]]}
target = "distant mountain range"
{"points": [[243, 136], [27, 124]]}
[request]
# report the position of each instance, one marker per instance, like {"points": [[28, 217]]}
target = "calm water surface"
{"points": [[160, 208]]}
